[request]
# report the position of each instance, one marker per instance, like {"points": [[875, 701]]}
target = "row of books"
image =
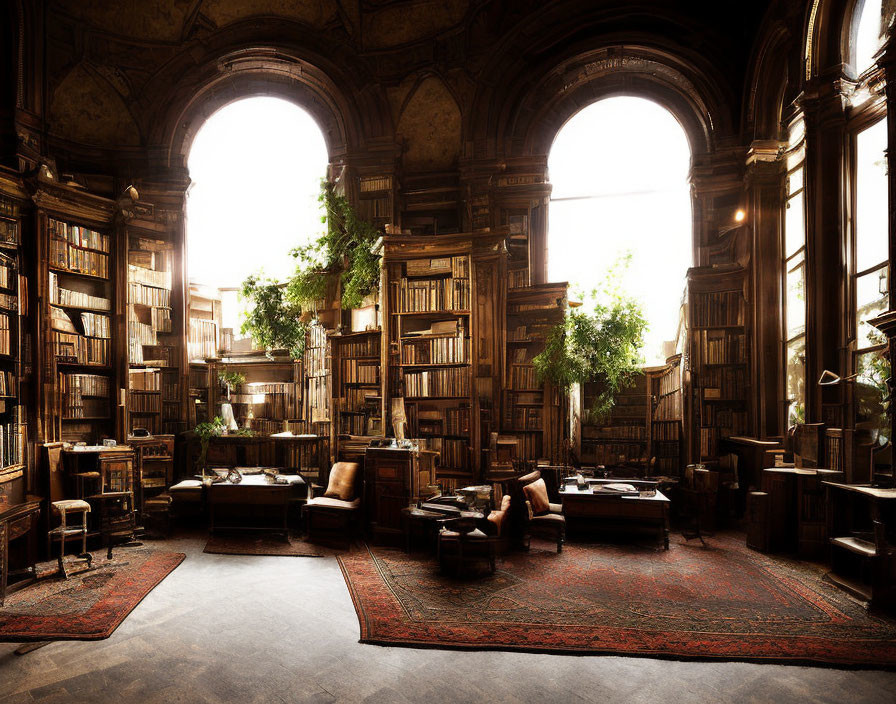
{"points": [[75, 299], [670, 382], [7, 383], [160, 356], [96, 325], [438, 350], [358, 424], [7, 274], [458, 267], [366, 346], [139, 334], [144, 380], [518, 278], [665, 432], [202, 341], [718, 347], [318, 399], [5, 335], [317, 336], [523, 376], [84, 395], [369, 184], [150, 254], [668, 407], [615, 432], [356, 371], [725, 383], [77, 349], [149, 277], [12, 440], [611, 454], [425, 295], [718, 309], [9, 301], [357, 399], [525, 418], [148, 295], [529, 331], [733, 421], [317, 358], [437, 382], [77, 235], [81, 261], [433, 421], [144, 403], [454, 454]]}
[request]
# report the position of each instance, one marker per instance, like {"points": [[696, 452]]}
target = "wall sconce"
{"points": [[740, 215]]}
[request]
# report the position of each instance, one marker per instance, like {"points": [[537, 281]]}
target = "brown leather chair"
{"points": [[334, 517], [543, 517]]}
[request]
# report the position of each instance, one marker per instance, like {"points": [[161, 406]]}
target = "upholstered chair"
{"points": [[334, 517]]}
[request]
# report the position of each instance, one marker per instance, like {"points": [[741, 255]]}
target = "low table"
{"points": [[253, 498], [587, 510]]}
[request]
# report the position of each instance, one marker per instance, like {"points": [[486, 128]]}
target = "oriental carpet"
{"points": [[725, 602], [89, 605]]}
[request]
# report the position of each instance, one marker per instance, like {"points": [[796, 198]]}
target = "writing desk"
{"points": [[253, 499], [587, 509]]}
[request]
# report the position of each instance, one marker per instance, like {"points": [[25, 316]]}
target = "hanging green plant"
{"points": [[600, 345], [273, 321], [205, 431]]}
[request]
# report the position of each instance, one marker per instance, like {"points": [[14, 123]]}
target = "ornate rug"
{"points": [[86, 606], [225, 544], [725, 602]]}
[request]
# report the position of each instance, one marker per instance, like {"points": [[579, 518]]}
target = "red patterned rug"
{"points": [[86, 606], [726, 602]]}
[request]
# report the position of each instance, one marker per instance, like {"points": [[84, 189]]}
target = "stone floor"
{"points": [[225, 628]]}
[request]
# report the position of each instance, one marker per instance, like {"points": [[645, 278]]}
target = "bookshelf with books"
{"points": [[358, 400], [534, 412], [269, 400], [204, 324], [666, 419], [317, 382], [15, 479], [199, 401], [619, 438], [718, 344], [78, 324], [376, 200], [441, 293], [154, 329]]}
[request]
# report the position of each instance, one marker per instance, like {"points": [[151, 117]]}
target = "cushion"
{"points": [[498, 516], [549, 518], [187, 485], [342, 481], [328, 502], [71, 505], [555, 508], [531, 477], [537, 495]]}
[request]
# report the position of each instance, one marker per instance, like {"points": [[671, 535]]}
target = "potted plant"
{"points": [[600, 342], [231, 380], [205, 431]]}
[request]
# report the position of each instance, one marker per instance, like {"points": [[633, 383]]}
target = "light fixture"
{"points": [[740, 215]]}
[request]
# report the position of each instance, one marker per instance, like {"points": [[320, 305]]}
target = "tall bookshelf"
{"points": [[270, 399], [80, 316], [619, 438], [533, 411], [667, 440], [154, 353], [13, 365], [204, 325], [718, 357], [376, 200], [199, 397], [441, 294], [358, 400], [317, 382]]}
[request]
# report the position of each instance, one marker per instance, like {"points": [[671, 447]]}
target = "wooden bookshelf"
{"points": [[442, 293], [667, 440], [718, 344], [358, 399], [199, 403], [376, 199], [80, 316], [620, 438], [204, 325], [534, 413], [270, 399], [14, 366], [154, 328], [317, 382]]}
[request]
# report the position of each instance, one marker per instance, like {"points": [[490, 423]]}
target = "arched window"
{"points": [[256, 167], [619, 170], [868, 31], [794, 268]]}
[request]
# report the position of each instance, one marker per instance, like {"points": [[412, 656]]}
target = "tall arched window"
{"points": [[619, 170], [256, 167], [794, 268], [867, 34]]}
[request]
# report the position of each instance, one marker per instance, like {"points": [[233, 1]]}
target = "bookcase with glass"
{"points": [[154, 399], [533, 411], [718, 357], [13, 309], [666, 438], [78, 319]]}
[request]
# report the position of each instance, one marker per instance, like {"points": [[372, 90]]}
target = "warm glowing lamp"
{"points": [[740, 215]]}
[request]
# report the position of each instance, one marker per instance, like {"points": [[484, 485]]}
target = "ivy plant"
{"points": [[601, 343], [271, 319]]}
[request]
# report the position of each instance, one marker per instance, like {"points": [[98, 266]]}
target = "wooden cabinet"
{"points": [[393, 478]]}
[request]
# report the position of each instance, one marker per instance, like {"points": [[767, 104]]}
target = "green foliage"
{"points": [[231, 379], [602, 345], [205, 431], [273, 321]]}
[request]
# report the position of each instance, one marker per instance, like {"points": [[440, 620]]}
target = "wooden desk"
{"points": [[797, 512], [308, 455], [590, 510], [861, 523], [17, 520], [254, 498]]}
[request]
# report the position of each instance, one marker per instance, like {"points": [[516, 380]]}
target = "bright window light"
{"points": [[256, 166], [868, 35], [619, 170]]}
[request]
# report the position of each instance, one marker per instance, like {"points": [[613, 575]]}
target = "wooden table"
{"points": [[253, 498], [17, 520], [797, 509], [588, 509]]}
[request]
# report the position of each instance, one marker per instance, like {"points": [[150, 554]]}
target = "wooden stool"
{"points": [[63, 532]]}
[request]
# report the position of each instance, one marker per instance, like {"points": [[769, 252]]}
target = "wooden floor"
{"points": [[224, 628]]}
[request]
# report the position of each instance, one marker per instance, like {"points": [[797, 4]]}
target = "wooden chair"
{"points": [[334, 517]]}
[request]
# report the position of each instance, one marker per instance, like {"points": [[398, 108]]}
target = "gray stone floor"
{"points": [[227, 628]]}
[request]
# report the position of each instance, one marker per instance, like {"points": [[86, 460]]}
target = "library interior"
{"points": [[437, 350]]}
